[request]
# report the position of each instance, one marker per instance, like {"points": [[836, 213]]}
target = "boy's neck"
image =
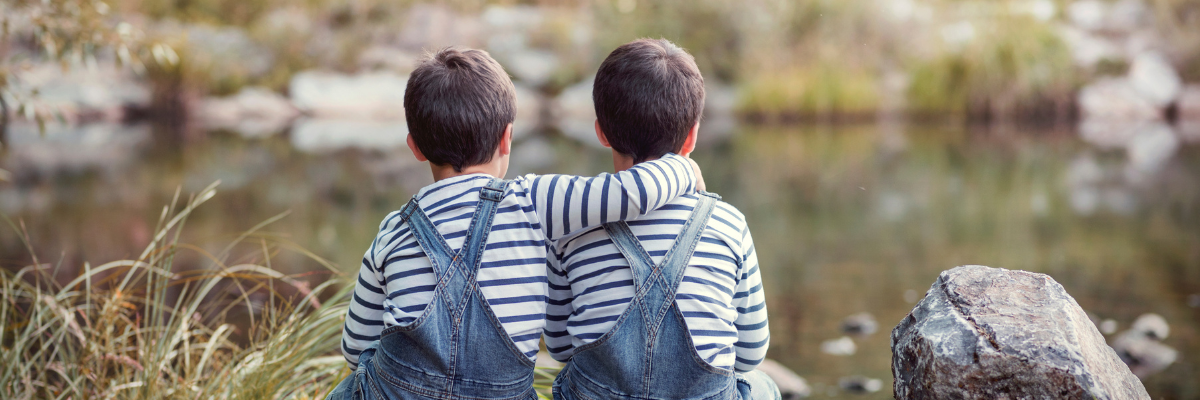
{"points": [[493, 168], [623, 162]]}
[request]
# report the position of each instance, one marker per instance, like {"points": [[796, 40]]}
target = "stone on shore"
{"points": [[843, 346], [1139, 347], [791, 386], [987, 333], [860, 324], [373, 95], [1154, 78], [252, 112], [99, 93], [1116, 99], [858, 384]]}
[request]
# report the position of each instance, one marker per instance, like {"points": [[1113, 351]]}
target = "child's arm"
{"points": [[565, 203], [753, 333], [558, 309], [364, 319]]}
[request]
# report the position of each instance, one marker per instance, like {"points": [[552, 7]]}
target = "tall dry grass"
{"points": [[139, 329]]}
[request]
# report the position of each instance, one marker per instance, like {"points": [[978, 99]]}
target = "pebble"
{"points": [[860, 384], [862, 324], [843, 346], [1108, 326], [1152, 326]]}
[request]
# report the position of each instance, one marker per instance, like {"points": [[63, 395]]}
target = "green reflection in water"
{"points": [[846, 219]]}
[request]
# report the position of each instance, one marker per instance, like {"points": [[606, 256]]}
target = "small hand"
{"points": [[696, 169]]}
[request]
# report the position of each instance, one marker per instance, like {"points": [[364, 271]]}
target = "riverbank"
{"points": [[265, 68]]}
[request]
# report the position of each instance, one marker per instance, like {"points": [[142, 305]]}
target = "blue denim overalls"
{"points": [[457, 349], [649, 353]]}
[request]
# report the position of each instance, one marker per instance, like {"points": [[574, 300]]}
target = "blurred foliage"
{"points": [[67, 32], [820, 91], [1016, 66]]}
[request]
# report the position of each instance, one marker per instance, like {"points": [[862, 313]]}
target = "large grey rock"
{"points": [[1116, 99], [987, 333]]}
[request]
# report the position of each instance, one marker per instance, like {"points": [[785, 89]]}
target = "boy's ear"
{"points": [[600, 135], [689, 144], [415, 150], [506, 140]]}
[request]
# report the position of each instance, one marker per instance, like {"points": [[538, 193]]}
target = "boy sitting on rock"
{"points": [[669, 305], [451, 295]]}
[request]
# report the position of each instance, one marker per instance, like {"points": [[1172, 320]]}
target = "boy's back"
{"points": [[720, 295], [669, 305]]}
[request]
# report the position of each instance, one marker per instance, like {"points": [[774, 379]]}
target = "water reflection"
{"points": [[846, 219]]}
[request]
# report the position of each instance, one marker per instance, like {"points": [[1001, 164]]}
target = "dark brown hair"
{"points": [[648, 94], [457, 104]]}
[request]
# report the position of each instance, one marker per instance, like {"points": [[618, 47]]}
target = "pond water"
{"points": [[847, 218]]}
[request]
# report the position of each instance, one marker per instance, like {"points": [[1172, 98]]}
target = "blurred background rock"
{"points": [[871, 143]]}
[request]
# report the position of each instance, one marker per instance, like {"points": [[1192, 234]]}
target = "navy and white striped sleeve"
{"points": [[558, 310], [364, 319], [566, 203], [754, 336]]}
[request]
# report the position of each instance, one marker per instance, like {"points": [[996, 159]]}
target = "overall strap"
{"points": [[481, 226], [427, 236], [667, 275], [680, 254], [639, 261]]}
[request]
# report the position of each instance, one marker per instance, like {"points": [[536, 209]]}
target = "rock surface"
{"points": [[986, 333]]}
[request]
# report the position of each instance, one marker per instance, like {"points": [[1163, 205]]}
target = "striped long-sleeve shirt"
{"points": [[396, 280], [721, 294]]}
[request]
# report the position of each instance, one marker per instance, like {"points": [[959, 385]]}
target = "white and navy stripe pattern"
{"points": [[396, 280], [721, 294]]}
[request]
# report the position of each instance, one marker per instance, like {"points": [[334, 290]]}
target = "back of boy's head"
{"points": [[648, 94], [457, 104]]}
